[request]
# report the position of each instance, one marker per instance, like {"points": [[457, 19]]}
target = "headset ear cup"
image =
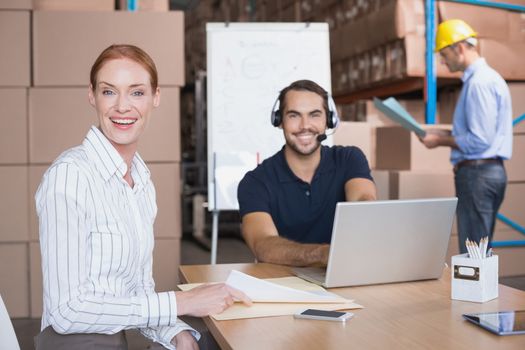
{"points": [[333, 117], [335, 120], [330, 120], [276, 118]]}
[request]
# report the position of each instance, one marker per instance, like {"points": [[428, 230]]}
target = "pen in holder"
{"points": [[475, 274]]}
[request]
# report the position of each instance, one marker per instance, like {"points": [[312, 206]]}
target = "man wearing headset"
{"points": [[481, 136], [287, 204]]}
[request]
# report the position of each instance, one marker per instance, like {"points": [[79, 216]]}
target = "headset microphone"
{"points": [[321, 137]]}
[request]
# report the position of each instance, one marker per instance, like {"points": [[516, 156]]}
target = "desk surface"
{"points": [[414, 315]]}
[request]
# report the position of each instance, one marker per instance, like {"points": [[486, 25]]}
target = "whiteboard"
{"points": [[248, 64]]}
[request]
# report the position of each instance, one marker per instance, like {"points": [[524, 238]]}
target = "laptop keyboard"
{"points": [[316, 273]]}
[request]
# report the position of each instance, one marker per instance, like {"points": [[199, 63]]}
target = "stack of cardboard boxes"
{"points": [[15, 79], [44, 79], [511, 258], [372, 42], [386, 43]]}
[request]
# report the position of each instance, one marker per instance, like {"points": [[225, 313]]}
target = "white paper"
{"points": [[392, 109], [259, 290]]}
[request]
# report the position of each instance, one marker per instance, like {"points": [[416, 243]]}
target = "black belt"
{"points": [[474, 162]]}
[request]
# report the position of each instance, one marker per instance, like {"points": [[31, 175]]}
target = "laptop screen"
{"points": [[389, 241]]}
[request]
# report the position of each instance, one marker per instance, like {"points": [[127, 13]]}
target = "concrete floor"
{"points": [[230, 250]]}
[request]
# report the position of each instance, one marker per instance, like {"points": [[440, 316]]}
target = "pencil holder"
{"points": [[474, 279]]}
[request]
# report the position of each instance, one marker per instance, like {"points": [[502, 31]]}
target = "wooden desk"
{"points": [[415, 315]]}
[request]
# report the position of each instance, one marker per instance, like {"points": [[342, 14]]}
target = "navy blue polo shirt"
{"points": [[302, 212]]}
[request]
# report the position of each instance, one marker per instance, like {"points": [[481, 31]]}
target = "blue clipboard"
{"points": [[392, 109]]}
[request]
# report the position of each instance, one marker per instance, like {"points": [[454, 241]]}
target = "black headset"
{"points": [[332, 119]]}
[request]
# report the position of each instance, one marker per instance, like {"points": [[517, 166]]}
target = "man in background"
{"points": [[481, 136]]}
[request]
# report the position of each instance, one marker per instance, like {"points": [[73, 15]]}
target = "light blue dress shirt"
{"points": [[482, 125]]}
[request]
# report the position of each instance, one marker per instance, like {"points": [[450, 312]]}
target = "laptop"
{"points": [[377, 242]]}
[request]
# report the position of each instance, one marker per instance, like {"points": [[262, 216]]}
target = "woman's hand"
{"points": [[185, 341], [209, 299]]}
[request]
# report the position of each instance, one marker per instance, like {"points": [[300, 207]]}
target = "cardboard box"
{"points": [[147, 5], [166, 262], [291, 13], [202, 13], [510, 258], [16, 4], [15, 52], [35, 280], [59, 118], [517, 92], [365, 111], [511, 67], [378, 64], [516, 26], [167, 181], [13, 134], [353, 73], [196, 40], [74, 5], [407, 57], [66, 62], [448, 98], [394, 20], [358, 134], [413, 184], [14, 281], [162, 139], [273, 7], [340, 81], [393, 62], [399, 149], [488, 22], [512, 206], [328, 16], [364, 62], [309, 9], [516, 165], [347, 40], [416, 108], [14, 204], [382, 182]]}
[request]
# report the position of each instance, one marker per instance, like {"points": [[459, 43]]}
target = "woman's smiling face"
{"points": [[123, 99]]}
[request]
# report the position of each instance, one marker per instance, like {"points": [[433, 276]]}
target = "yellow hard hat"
{"points": [[451, 32]]}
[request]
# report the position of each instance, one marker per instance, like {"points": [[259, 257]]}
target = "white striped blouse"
{"points": [[96, 240]]}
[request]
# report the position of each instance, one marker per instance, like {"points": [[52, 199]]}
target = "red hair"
{"points": [[119, 51]]}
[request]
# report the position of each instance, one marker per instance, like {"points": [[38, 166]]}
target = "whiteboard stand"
{"points": [[215, 214], [214, 237]]}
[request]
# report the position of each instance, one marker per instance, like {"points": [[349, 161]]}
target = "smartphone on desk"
{"points": [[324, 315]]}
